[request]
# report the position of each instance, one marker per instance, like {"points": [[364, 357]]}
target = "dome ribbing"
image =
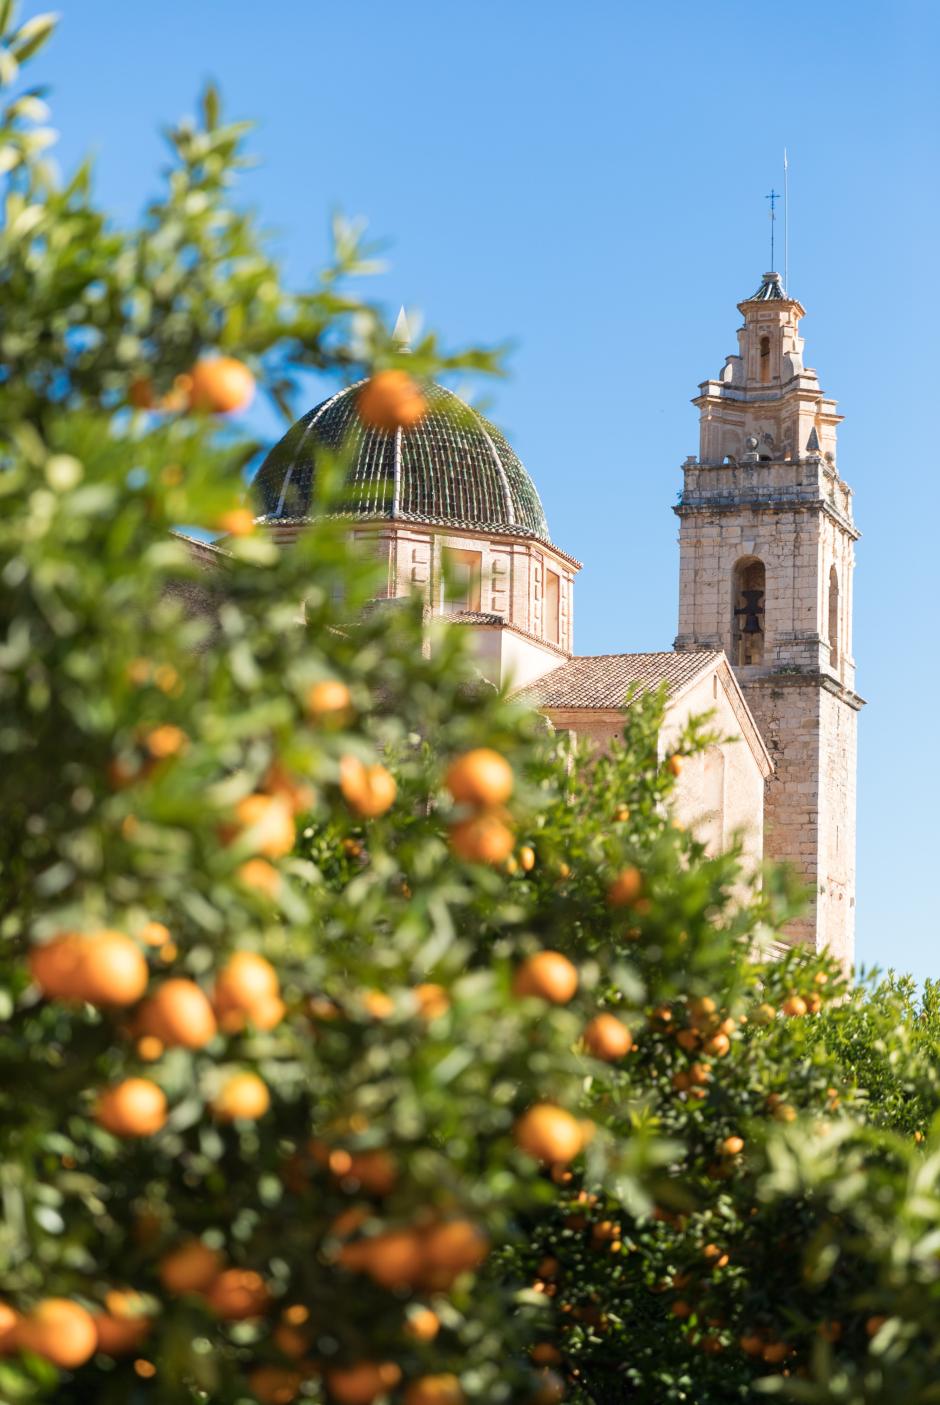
{"points": [[453, 469]]}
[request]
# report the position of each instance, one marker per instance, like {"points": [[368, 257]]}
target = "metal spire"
{"points": [[401, 334], [773, 197]]}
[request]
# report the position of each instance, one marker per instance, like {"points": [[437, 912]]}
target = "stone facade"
{"points": [[766, 546]]}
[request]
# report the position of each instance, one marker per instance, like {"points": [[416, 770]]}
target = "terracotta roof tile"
{"points": [[603, 680]]}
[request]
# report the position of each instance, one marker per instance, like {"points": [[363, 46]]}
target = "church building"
{"points": [[766, 552]]}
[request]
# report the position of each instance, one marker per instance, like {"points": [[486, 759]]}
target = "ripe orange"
{"points": [[291, 1340], [434, 1390], [237, 1293], [783, 1112], [751, 1344], [550, 1390], [237, 522], [674, 765], [433, 1000], [260, 875], [545, 1354], [547, 975], [328, 699], [732, 1146], [549, 1133], [625, 888], [681, 1309], [179, 1014], [60, 1331], [484, 838], [368, 790], [267, 824], [391, 400], [244, 1096], [54, 966], [275, 1385], [375, 1170], [112, 969], [267, 1014], [422, 1324], [361, 1383], [607, 1038], [718, 1045], [123, 1327], [165, 741], [133, 1108], [190, 1268], [794, 1005], [9, 1322], [246, 980], [452, 1248], [480, 777], [775, 1352], [394, 1259], [527, 858], [377, 1004], [299, 795], [220, 384]]}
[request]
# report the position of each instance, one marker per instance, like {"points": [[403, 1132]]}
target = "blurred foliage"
{"points": [[148, 686]]}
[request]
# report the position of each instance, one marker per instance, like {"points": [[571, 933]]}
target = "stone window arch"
{"points": [[749, 610], [765, 360], [833, 617]]}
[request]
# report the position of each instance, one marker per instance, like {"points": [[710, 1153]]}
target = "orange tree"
{"points": [[356, 1041]]}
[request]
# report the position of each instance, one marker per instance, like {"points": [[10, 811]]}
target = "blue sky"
{"points": [[589, 180]]}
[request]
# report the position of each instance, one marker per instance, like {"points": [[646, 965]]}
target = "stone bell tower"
{"points": [[766, 547]]}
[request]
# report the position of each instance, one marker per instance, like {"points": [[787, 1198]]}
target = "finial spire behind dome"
{"points": [[401, 334]]}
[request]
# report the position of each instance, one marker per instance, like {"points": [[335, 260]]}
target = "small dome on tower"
{"points": [[453, 468]]}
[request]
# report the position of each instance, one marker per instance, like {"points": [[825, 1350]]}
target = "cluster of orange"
{"points": [[481, 781]]}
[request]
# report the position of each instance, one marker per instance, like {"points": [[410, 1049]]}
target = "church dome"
{"points": [[453, 469]]}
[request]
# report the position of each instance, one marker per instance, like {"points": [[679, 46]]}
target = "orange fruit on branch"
{"points": [[434, 1390], [243, 1097], [433, 1000], [360, 1383], [9, 1323], [135, 1107], [608, 1038], [548, 1133], [328, 699], [481, 777], [266, 823], [625, 888], [246, 981], [547, 975], [237, 1294], [368, 790], [54, 966], [60, 1331], [220, 385], [124, 1326], [179, 1014], [391, 400], [422, 1324], [190, 1268], [484, 838], [275, 1385]]}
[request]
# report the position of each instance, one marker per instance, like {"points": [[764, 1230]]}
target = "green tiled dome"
{"points": [[453, 469]]}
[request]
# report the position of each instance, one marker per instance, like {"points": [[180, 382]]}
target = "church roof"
{"points": [[603, 680], [453, 468], [770, 290]]}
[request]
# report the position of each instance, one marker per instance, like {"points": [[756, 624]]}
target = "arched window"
{"points": [[764, 360], [833, 617], [747, 620]]}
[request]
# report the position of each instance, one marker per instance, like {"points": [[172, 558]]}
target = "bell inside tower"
{"points": [[748, 617]]}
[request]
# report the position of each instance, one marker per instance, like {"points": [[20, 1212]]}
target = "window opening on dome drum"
{"points": [[461, 573], [748, 616], [551, 609]]}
